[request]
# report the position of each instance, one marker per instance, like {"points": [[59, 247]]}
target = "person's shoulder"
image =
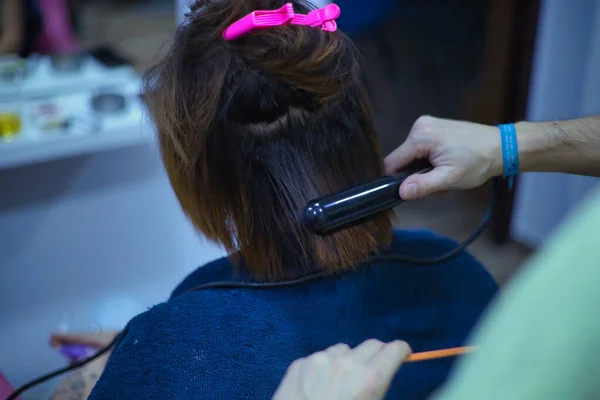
{"points": [[173, 318], [162, 343], [179, 316], [220, 269]]}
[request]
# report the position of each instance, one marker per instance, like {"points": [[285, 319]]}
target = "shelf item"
{"points": [[46, 76], [109, 103], [10, 125], [66, 125], [62, 106], [68, 63]]}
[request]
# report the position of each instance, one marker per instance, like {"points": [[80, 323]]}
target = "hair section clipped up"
{"points": [[251, 129]]}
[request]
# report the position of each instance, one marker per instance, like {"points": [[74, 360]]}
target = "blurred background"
{"points": [[90, 231]]}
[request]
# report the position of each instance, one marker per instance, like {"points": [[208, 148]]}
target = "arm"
{"points": [[12, 27], [465, 154], [80, 382], [571, 146]]}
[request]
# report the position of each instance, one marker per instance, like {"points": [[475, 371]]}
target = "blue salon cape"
{"points": [[238, 343]]}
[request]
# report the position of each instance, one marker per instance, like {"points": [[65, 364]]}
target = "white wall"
{"points": [[89, 241], [565, 84]]}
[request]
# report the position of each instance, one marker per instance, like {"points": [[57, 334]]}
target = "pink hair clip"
{"points": [[323, 17]]}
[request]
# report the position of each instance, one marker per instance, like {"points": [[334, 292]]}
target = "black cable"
{"points": [[295, 282], [458, 249], [61, 371], [261, 285]]}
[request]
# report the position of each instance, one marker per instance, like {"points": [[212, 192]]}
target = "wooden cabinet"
{"points": [[502, 91]]}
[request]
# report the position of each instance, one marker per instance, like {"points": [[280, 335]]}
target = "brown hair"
{"points": [[251, 130]]}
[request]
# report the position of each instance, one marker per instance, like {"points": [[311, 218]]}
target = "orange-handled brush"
{"points": [[432, 355]]}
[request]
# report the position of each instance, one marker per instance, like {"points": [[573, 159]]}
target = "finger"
{"points": [[291, 380], [417, 186], [315, 366], [389, 359], [338, 350], [409, 150], [399, 158], [296, 366], [366, 350]]}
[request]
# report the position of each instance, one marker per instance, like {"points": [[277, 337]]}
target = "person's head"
{"points": [[252, 129]]}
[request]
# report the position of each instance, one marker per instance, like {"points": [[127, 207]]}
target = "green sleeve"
{"points": [[541, 339]]}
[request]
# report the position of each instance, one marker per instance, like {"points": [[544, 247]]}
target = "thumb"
{"points": [[417, 186]]}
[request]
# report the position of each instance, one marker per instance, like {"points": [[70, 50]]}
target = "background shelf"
{"points": [[89, 131]]}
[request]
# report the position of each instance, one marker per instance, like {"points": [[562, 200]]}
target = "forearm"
{"points": [[79, 384], [571, 146]]}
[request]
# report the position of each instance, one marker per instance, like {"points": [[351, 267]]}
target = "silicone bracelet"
{"points": [[510, 152]]}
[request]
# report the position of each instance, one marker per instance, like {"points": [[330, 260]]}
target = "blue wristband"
{"points": [[510, 152]]}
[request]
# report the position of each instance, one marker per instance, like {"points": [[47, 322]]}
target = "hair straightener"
{"points": [[324, 216], [350, 207], [344, 209]]}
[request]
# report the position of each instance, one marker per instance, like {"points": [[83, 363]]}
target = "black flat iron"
{"points": [[344, 209], [328, 214]]}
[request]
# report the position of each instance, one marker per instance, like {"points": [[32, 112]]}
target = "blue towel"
{"points": [[238, 343]]}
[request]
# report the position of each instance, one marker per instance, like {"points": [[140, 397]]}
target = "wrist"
{"points": [[495, 153], [530, 144]]}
